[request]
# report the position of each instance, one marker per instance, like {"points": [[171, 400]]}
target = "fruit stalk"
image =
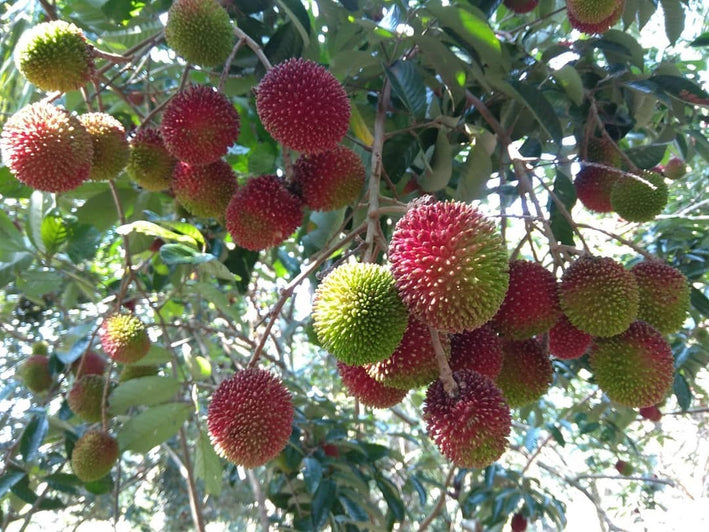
{"points": [[446, 374]]}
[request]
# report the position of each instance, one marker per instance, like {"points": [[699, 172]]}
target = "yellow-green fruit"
{"points": [[94, 455], [526, 372], [34, 372], [86, 396], [149, 163], [664, 295], [599, 296], [54, 56], [639, 198], [200, 31], [358, 315], [110, 145], [134, 372], [124, 338], [40, 348]]}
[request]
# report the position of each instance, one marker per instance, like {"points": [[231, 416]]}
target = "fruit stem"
{"points": [[227, 65], [446, 374], [255, 48]]}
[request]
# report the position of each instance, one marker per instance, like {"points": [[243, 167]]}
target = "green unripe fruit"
{"points": [[94, 455], [54, 56], [200, 31], [40, 348], [110, 145], [149, 163], [34, 372], [124, 338], [664, 295], [86, 396], [526, 372], [639, 198], [358, 315]]}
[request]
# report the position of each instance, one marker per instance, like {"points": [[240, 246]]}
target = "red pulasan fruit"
{"points": [[593, 188], [93, 364], [526, 372], [263, 213], [531, 305], [249, 417], [521, 6], [366, 389], [303, 106], [471, 428], [329, 180], [413, 363], [675, 168], [204, 190], [518, 523], [199, 125], [566, 341], [449, 263], [47, 148], [478, 350], [651, 412], [594, 16], [124, 338]]}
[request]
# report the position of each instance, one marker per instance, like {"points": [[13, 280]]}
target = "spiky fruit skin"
{"points": [[199, 124], [249, 417], [149, 163], [263, 213], [54, 56], [94, 455], [639, 198], [358, 315], [521, 6], [471, 428], [566, 341], [526, 372], [368, 391], [204, 190], [124, 338], [135, 372], [40, 348], [479, 350], [329, 180], [93, 364], [635, 368], [594, 16], [450, 265], [531, 305], [200, 31], [86, 396], [624, 468], [675, 168], [593, 187], [602, 150], [664, 295], [47, 148], [651, 413], [413, 362], [303, 106], [599, 296], [34, 373], [108, 137], [518, 523]]}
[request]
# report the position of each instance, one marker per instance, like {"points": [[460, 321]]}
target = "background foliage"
{"points": [[484, 106]]}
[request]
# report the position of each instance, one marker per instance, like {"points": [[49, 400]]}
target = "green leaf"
{"points": [[11, 477], [441, 58], [647, 157], [322, 502], [566, 193], [682, 392], [153, 427], [36, 283], [10, 237], [556, 434], [284, 44], [354, 510], [151, 229], [299, 17], [262, 158], [570, 81], [322, 226], [674, 19], [100, 209], [474, 174], [391, 496], [54, 231], [627, 41], [407, 85], [312, 474], [172, 254], [40, 202], [699, 301], [147, 391], [33, 436], [682, 89], [156, 355], [534, 100], [438, 174], [100, 486], [207, 465], [702, 40], [216, 269]]}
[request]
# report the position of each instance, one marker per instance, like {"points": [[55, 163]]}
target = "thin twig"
{"points": [[439, 505]]}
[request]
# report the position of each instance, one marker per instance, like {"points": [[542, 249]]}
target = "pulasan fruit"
{"points": [[90, 363], [478, 350], [594, 16], [368, 391], [204, 190], [94, 455], [521, 6], [593, 187], [35, 374], [639, 198], [86, 397], [664, 295], [566, 341], [108, 137], [149, 163], [124, 338], [526, 372]]}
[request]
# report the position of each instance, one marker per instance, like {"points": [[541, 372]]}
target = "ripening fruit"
{"points": [[531, 305], [521, 6], [471, 428], [651, 413], [303, 106], [40, 348], [518, 523], [599, 296], [664, 295], [358, 315], [47, 148], [329, 180], [204, 190], [199, 124], [450, 265], [634, 368], [639, 198], [602, 150], [413, 363], [200, 31], [263, 213], [593, 187], [249, 417], [94, 455], [675, 168], [86, 396], [478, 350], [54, 56], [624, 468], [34, 373], [110, 145], [526, 372], [90, 363], [566, 341], [149, 163], [124, 338], [368, 391], [137, 371], [594, 16]]}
